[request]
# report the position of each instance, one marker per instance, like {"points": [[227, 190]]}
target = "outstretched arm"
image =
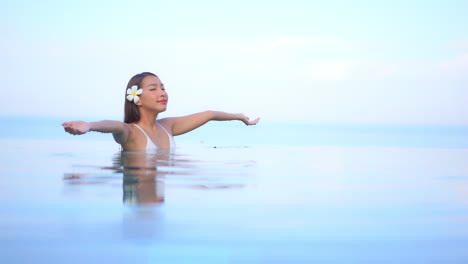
{"points": [[184, 124], [118, 129]]}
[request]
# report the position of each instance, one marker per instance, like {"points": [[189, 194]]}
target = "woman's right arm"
{"points": [[118, 129]]}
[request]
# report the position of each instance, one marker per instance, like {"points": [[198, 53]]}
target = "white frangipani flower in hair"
{"points": [[133, 92]]}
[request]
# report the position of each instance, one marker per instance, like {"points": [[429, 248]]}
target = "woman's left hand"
{"points": [[247, 120]]}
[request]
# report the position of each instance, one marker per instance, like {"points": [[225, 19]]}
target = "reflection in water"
{"points": [[142, 182], [144, 176]]}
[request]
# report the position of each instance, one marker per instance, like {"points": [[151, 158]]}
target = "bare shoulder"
{"points": [[123, 137], [167, 122], [132, 130]]}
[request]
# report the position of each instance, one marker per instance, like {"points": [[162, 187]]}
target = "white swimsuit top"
{"points": [[150, 146]]}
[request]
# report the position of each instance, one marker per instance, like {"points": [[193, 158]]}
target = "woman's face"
{"points": [[154, 95]]}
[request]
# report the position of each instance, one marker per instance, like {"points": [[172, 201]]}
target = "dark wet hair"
{"points": [[131, 111]]}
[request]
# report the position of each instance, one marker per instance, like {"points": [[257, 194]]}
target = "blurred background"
{"points": [[339, 62]]}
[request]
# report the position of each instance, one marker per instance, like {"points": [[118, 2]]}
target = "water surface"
{"points": [[215, 200]]}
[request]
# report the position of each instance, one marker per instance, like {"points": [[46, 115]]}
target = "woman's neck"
{"points": [[147, 119]]}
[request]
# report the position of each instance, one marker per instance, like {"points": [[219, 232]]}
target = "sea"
{"points": [[277, 192]]}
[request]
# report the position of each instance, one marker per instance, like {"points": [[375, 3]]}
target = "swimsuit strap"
{"points": [[141, 130], [171, 139], [149, 142]]}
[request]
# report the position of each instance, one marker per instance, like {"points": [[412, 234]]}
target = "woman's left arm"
{"points": [[184, 124]]}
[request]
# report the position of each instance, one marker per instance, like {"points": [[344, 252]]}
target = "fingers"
{"points": [[71, 128], [253, 122], [66, 126], [74, 131]]}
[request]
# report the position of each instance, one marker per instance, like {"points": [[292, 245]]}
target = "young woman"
{"points": [[140, 131]]}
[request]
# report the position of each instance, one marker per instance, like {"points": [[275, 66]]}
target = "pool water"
{"points": [[78, 200]]}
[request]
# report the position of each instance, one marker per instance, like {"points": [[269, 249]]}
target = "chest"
{"points": [[146, 139]]}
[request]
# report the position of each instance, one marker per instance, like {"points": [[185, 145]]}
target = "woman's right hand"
{"points": [[76, 127]]}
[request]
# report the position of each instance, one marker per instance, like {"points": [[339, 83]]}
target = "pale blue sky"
{"points": [[391, 62]]}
